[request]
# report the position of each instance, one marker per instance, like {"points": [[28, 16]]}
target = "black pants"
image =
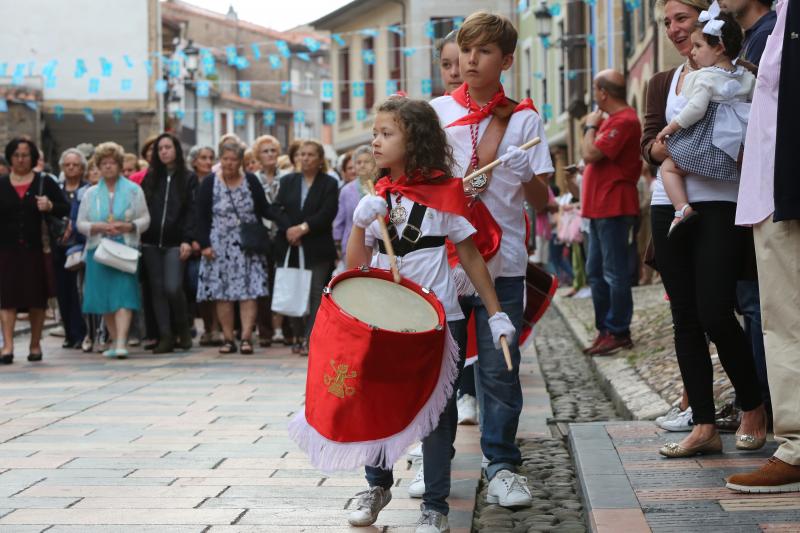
{"points": [[165, 277], [69, 302], [700, 273]]}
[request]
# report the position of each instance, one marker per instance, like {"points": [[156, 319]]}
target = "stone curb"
{"points": [[631, 395]]}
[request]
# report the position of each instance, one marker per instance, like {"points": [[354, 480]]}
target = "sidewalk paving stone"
{"points": [[190, 442]]}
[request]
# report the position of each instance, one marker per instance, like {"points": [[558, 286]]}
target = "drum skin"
{"points": [[365, 383]]}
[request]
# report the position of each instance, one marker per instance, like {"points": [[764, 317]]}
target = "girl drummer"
{"points": [[426, 205]]}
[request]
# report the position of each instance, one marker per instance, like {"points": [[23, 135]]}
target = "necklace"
{"points": [[398, 213], [479, 182]]}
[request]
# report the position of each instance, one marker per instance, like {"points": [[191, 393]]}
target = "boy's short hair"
{"points": [[485, 28]]}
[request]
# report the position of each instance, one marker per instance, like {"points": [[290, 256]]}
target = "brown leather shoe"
{"points": [[774, 476], [611, 344], [597, 340]]}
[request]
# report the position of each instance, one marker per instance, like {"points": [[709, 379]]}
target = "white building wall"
{"points": [[40, 31]]}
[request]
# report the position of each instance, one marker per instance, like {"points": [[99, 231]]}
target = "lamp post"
{"points": [[544, 23], [192, 54]]}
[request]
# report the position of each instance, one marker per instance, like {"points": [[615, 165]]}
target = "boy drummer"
{"points": [[486, 49]]}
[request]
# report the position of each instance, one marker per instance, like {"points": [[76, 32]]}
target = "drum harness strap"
{"points": [[411, 240]]}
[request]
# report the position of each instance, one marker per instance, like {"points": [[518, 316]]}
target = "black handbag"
{"points": [[253, 236], [56, 226]]}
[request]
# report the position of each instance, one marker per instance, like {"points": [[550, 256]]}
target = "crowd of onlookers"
{"points": [[183, 214]]}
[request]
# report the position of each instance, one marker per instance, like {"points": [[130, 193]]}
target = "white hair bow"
{"points": [[713, 25]]}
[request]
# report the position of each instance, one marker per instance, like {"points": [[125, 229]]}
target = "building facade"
{"points": [[380, 47]]}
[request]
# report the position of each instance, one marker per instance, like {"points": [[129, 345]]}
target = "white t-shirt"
{"points": [[505, 196], [698, 188], [427, 267]]}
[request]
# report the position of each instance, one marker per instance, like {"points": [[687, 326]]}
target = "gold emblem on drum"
{"points": [[336, 383]]}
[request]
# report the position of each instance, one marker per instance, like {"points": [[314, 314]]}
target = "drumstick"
{"points": [[533, 142], [387, 241], [506, 352]]}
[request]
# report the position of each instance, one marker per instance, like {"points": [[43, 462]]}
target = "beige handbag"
{"points": [[117, 255]]}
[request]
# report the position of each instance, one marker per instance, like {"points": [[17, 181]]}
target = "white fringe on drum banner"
{"points": [[328, 455]]}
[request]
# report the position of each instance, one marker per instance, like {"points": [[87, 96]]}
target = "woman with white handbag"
{"points": [[112, 215]]}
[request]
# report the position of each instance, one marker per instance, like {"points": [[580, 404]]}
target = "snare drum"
{"points": [[381, 366]]}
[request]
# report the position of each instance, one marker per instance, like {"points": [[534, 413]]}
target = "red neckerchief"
{"points": [[478, 113], [445, 195]]}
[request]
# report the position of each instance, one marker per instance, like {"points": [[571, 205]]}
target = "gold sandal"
{"points": [[674, 450]]}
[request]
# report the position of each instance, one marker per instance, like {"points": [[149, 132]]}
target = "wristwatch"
{"points": [[304, 227], [588, 127]]}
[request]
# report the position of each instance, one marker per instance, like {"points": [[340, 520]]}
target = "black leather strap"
{"points": [[411, 239], [404, 247]]}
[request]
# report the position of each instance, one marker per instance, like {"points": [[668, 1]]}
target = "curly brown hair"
{"points": [[426, 142]]}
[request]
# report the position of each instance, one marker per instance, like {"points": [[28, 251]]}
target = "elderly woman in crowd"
{"points": [[351, 193], [147, 154], [700, 271], [25, 196], [228, 273], [113, 209], [305, 208], [170, 195], [267, 149], [201, 160], [73, 167]]}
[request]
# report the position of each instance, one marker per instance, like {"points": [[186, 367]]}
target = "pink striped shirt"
{"points": [[756, 188]]}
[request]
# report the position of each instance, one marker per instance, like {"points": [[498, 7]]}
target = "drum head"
{"points": [[384, 304]]}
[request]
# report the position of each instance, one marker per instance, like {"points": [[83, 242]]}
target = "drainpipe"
{"points": [[403, 68]]}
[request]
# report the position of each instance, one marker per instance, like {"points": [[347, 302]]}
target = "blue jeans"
{"points": [[437, 447], [609, 273], [747, 297], [499, 391]]}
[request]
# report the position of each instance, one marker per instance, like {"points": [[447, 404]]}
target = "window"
{"points": [[369, 75], [396, 58], [344, 83], [441, 27], [527, 75]]}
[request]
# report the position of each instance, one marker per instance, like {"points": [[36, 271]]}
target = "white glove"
{"points": [[516, 159], [368, 208], [501, 326]]}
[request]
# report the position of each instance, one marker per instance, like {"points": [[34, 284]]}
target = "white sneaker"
{"points": [[417, 486], [415, 453], [467, 410], [669, 415], [370, 502], [432, 522], [681, 421], [509, 490]]}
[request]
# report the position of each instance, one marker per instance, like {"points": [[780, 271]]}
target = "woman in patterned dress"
{"points": [[228, 274]]}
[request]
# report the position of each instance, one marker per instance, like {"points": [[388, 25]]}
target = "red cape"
{"points": [[443, 195]]}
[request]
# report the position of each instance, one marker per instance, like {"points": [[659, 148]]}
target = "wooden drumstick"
{"points": [[506, 351], [533, 142], [387, 241]]}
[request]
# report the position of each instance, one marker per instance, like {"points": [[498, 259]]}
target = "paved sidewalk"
{"points": [[629, 487], [188, 442]]}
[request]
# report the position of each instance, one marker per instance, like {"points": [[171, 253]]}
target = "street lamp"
{"points": [[544, 22], [192, 53]]}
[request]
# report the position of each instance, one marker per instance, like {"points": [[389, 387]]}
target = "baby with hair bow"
{"points": [[706, 136]]}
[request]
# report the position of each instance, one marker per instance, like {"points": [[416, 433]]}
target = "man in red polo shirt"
{"points": [[610, 147]]}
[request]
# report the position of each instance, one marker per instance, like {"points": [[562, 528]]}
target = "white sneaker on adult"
{"points": [[508, 489], [417, 486], [467, 410], [370, 502], [669, 415], [681, 421], [432, 522]]}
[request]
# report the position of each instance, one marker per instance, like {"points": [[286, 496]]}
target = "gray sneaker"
{"points": [[370, 502], [432, 522]]}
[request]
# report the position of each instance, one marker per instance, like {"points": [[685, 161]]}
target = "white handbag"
{"points": [[117, 255], [292, 288]]}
